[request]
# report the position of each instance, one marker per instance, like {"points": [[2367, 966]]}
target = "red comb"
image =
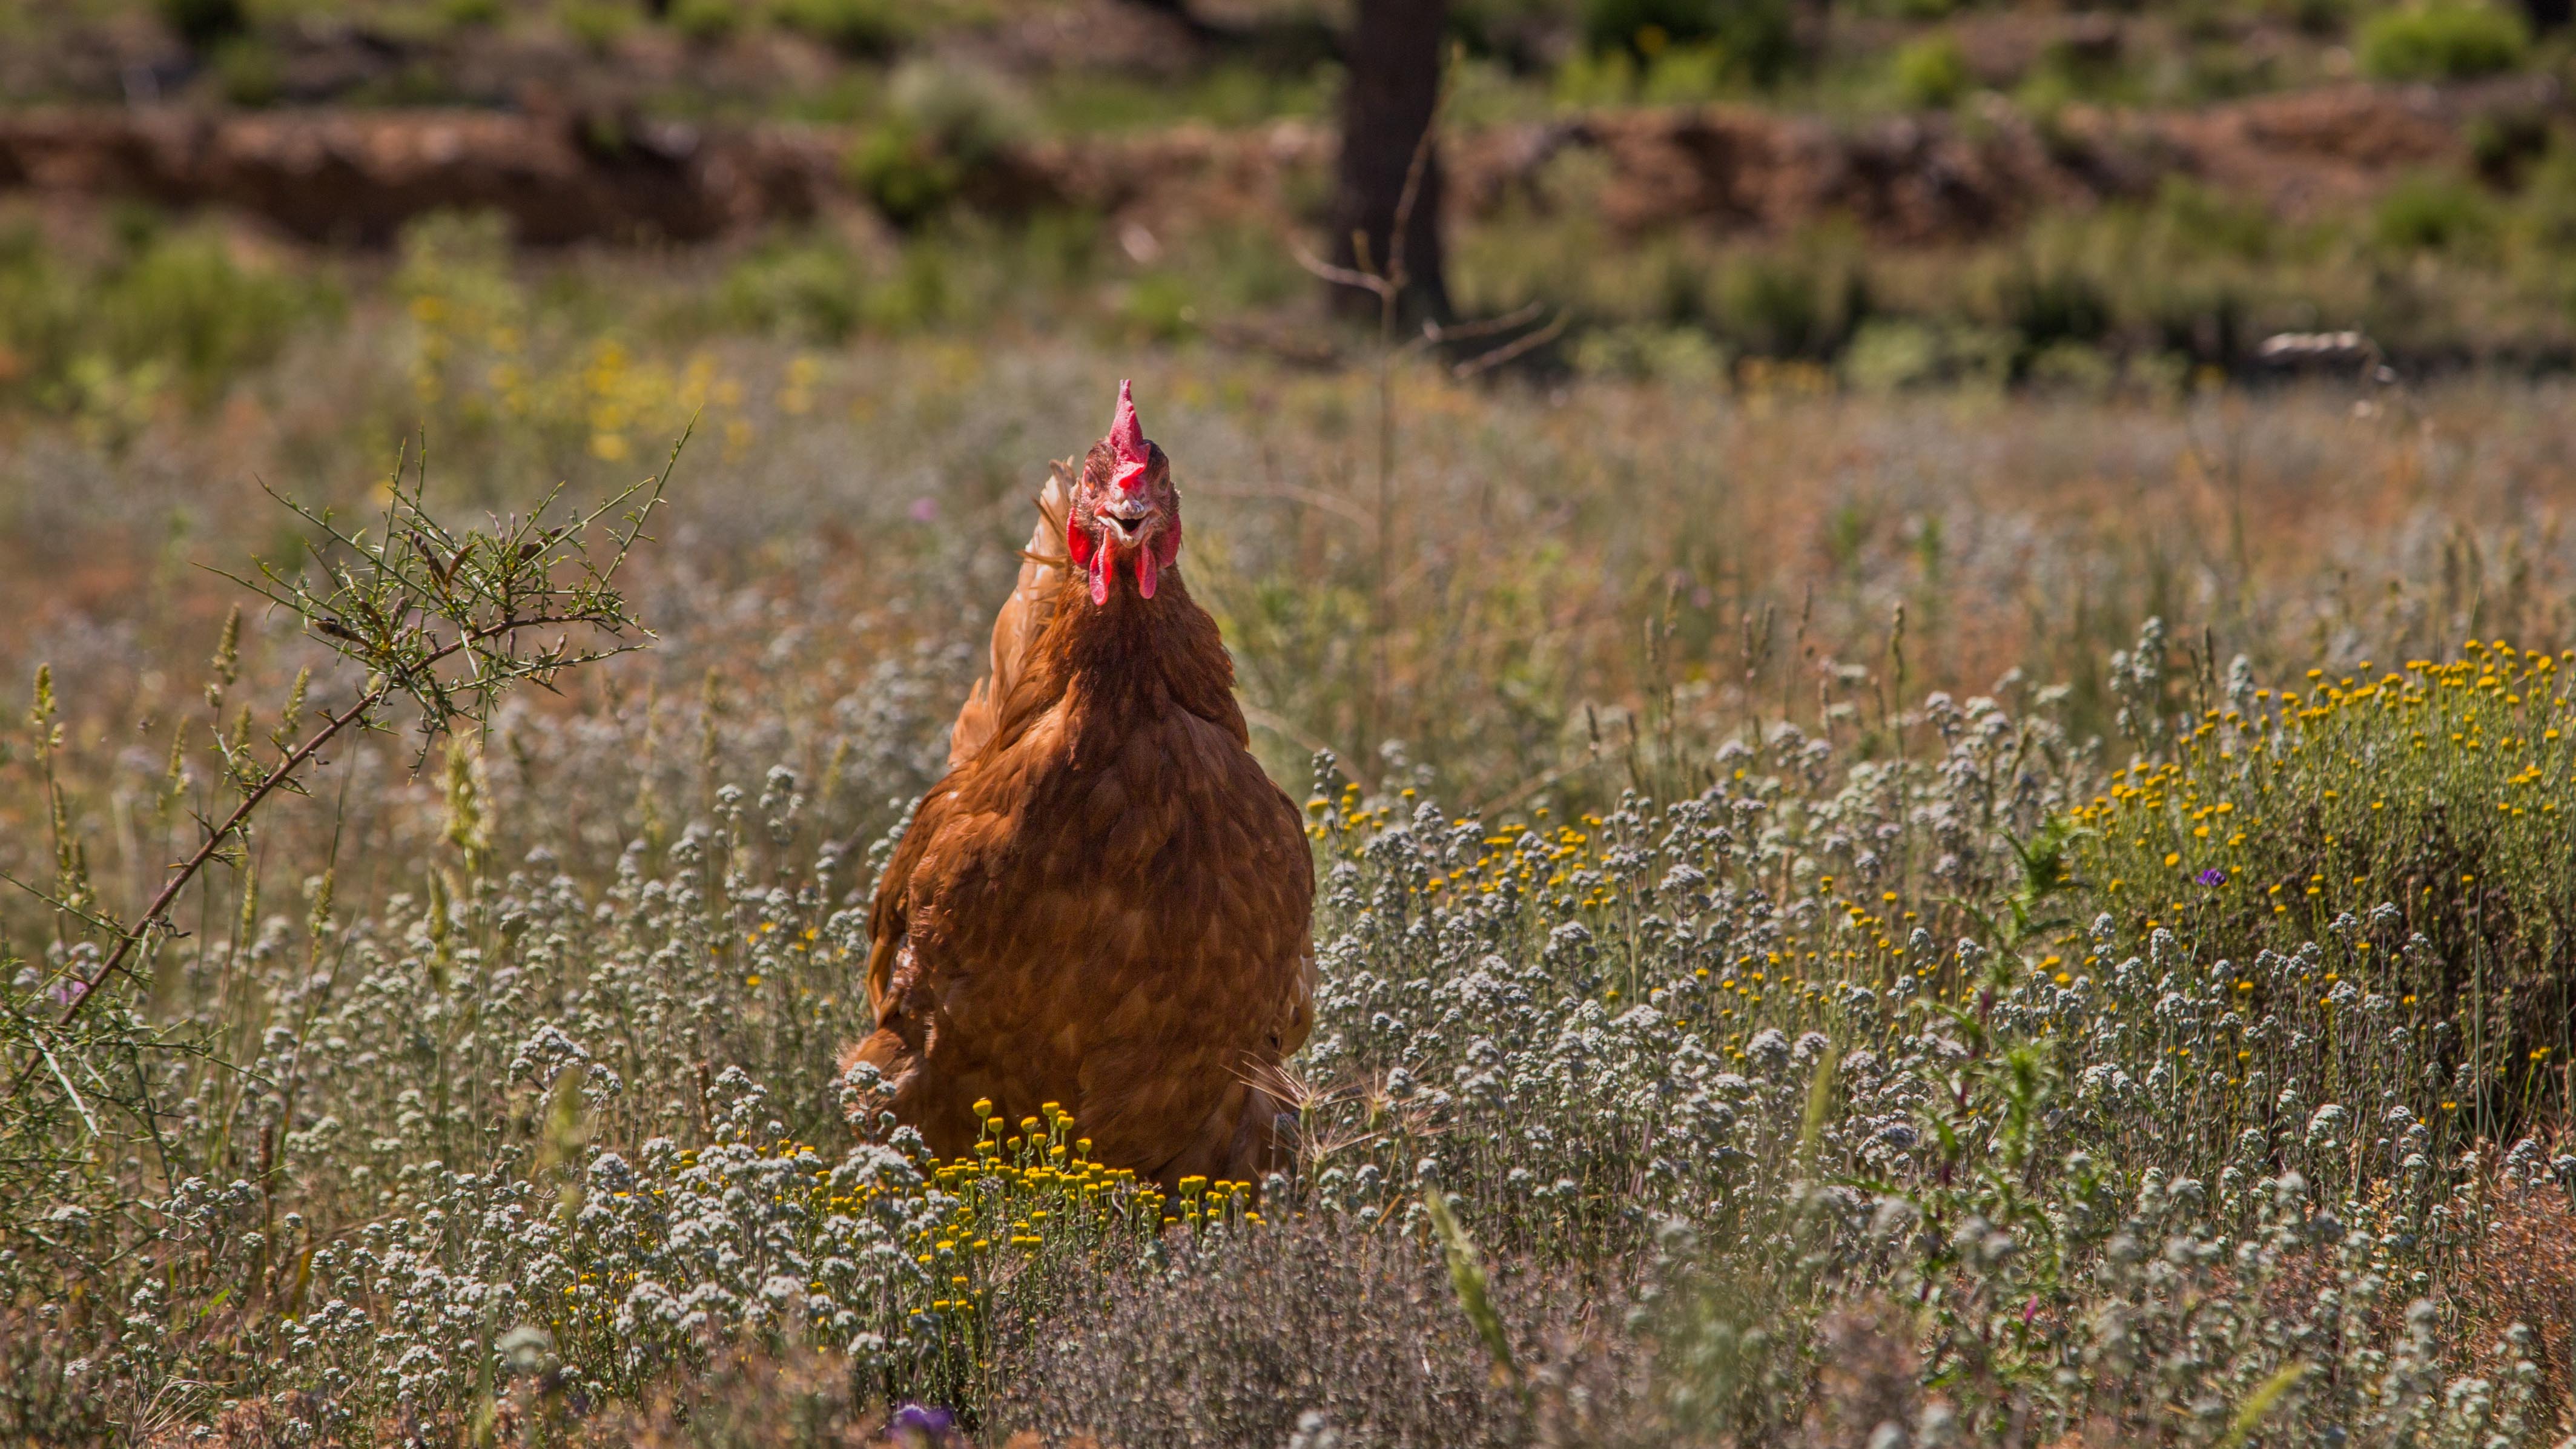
{"points": [[1127, 440]]}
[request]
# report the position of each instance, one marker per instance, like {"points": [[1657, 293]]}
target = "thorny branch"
{"points": [[383, 600]]}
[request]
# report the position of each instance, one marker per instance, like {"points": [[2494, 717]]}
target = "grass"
{"points": [[1799, 950]]}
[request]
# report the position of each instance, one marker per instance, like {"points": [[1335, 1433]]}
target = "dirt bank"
{"points": [[355, 176]]}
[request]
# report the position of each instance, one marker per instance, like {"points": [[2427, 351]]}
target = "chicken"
{"points": [[1105, 902]]}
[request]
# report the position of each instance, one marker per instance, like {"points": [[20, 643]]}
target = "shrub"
{"points": [[2198, 219], [942, 125], [172, 308], [1889, 354], [187, 300], [1755, 36], [597, 24], [2316, 17], [2050, 301], [706, 21], [812, 289], [2548, 203], [201, 23], [1932, 72], [2433, 213], [904, 173], [1682, 357], [1798, 301], [2069, 366], [2442, 40], [1160, 306], [2505, 145], [248, 72], [868, 28], [1682, 75]]}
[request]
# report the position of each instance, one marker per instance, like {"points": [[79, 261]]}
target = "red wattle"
{"points": [[1077, 544], [1149, 570], [1103, 567]]}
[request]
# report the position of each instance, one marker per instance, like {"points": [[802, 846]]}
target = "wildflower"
{"points": [[920, 1424], [2212, 877]]}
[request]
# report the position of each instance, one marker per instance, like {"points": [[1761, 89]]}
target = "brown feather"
{"points": [[1105, 902], [1023, 615]]}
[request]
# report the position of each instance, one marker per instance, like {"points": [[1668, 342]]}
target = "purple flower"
{"points": [[924, 509], [2212, 876], [924, 1421]]}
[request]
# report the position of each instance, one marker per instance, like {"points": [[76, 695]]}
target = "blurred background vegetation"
{"points": [[1897, 192]]}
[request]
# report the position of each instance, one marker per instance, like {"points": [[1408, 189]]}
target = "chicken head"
{"points": [[1125, 509]]}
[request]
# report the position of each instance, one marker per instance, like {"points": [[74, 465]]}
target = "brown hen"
{"points": [[1104, 902]]}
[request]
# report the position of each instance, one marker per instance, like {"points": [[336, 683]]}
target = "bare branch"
{"points": [[1369, 282], [1516, 348], [1491, 326]]}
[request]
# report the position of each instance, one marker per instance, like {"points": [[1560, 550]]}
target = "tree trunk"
{"points": [[1393, 53]]}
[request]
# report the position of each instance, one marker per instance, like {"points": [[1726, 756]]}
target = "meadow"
{"points": [[1997, 910]]}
